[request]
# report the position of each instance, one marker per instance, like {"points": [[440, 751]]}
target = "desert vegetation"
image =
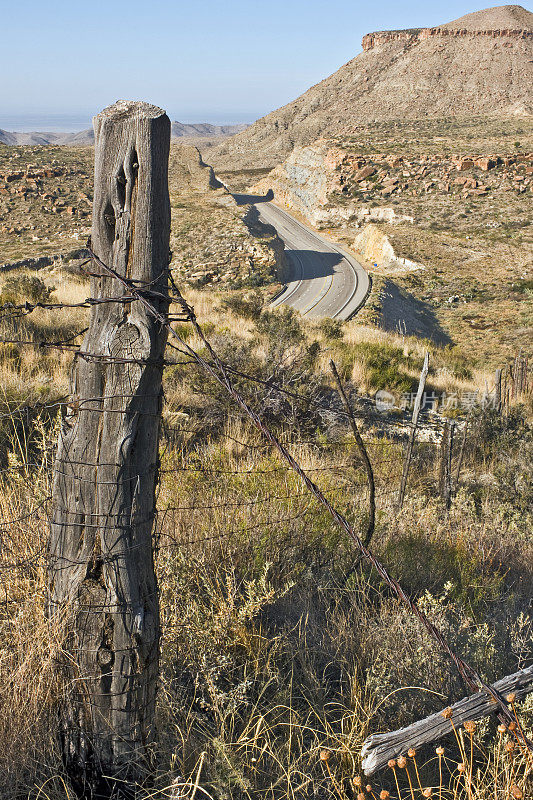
{"points": [[247, 553], [449, 195], [281, 651]]}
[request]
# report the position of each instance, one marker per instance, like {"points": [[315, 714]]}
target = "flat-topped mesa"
{"points": [[376, 38], [414, 35], [456, 69]]}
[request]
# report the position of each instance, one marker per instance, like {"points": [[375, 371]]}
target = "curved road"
{"points": [[324, 280]]}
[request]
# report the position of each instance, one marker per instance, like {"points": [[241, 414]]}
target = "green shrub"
{"points": [[385, 366], [248, 306], [425, 563], [281, 326], [19, 288], [523, 286], [331, 329], [458, 364]]}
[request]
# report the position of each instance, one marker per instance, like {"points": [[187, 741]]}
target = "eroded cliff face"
{"points": [[311, 181], [414, 35], [374, 246], [305, 180]]}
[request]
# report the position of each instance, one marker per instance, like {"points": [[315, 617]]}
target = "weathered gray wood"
{"points": [[498, 390], [364, 456], [101, 571], [379, 748], [446, 451], [414, 423], [461, 456]]}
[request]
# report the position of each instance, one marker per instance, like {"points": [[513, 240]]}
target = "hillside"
{"points": [[179, 130], [499, 17], [280, 652], [46, 138], [204, 129], [481, 64], [440, 208]]}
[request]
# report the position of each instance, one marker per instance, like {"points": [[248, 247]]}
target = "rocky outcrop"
{"points": [[334, 186], [311, 182], [305, 180], [511, 22], [379, 38], [375, 247]]}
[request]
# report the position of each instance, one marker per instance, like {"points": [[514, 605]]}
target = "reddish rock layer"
{"points": [[414, 35]]}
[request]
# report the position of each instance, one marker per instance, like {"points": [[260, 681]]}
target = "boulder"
{"points": [[363, 173], [485, 163]]}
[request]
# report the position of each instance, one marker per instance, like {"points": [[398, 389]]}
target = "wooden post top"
{"points": [[124, 109]]}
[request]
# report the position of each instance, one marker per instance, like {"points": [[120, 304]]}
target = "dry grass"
{"points": [[476, 248], [277, 646], [275, 663]]}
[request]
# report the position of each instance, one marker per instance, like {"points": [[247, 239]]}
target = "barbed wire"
{"points": [[220, 372], [469, 674]]}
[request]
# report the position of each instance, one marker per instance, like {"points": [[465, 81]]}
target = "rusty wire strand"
{"points": [[220, 374]]}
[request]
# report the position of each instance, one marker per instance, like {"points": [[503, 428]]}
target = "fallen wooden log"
{"points": [[379, 748]]}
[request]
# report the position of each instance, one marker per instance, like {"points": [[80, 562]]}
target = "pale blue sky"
{"points": [[216, 60]]}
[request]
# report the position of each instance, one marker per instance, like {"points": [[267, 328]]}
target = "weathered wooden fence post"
{"points": [[380, 747], [101, 568], [371, 524], [445, 475], [412, 434], [498, 391]]}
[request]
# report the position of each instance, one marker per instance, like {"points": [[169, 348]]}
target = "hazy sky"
{"points": [[204, 60]]}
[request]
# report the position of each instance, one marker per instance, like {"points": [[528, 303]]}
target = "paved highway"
{"points": [[324, 280]]}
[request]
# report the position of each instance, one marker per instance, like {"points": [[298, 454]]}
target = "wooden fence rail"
{"points": [[379, 748]]}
